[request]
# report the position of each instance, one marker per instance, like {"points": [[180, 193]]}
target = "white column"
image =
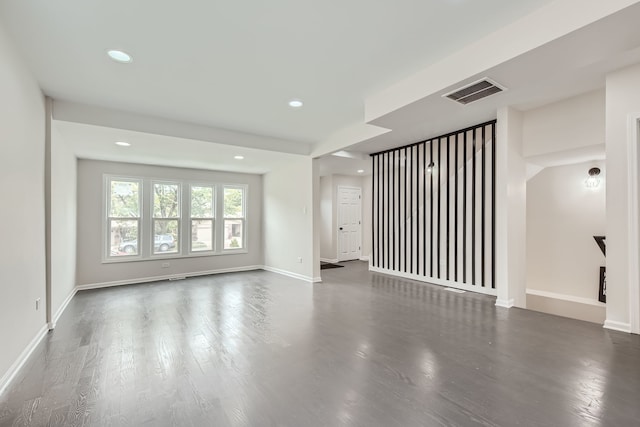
{"points": [[511, 198], [623, 104]]}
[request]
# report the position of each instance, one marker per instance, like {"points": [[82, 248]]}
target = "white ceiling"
{"points": [[235, 64], [337, 165], [98, 143], [215, 77], [575, 63]]}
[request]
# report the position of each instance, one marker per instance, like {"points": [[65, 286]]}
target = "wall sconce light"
{"points": [[593, 181], [430, 167]]}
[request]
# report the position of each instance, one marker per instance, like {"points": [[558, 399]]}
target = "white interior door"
{"points": [[349, 223]]}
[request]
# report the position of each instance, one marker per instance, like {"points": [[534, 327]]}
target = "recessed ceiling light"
{"points": [[350, 155], [119, 56], [122, 143], [295, 103], [238, 157], [360, 170]]}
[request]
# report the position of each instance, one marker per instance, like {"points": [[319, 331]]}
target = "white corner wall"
{"points": [[565, 135], [63, 219], [570, 124], [315, 237], [91, 271], [288, 220], [22, 276], [623, 99], [563, 259]]}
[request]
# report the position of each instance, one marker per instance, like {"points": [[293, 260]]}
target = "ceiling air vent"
{"points": [[474, 91]]}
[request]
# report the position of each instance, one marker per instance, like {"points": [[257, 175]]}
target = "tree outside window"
{"points": [[124, 217], [234, 200], [166, 217], [202, 218]]}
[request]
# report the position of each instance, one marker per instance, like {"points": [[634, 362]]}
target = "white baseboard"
{"points": [[24, 356], [364, 258], [291, 274], [62, 308], [505, 303], [434, 281], [563, 297], [617, 326], [166, 277], [332, 261]]}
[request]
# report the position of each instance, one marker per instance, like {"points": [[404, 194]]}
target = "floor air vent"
{"points": [[474, 91]]}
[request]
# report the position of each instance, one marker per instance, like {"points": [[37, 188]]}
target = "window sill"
{"points": [[173, 256]]}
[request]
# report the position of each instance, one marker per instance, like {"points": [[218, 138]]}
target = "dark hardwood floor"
{"points": [[360, 349]]}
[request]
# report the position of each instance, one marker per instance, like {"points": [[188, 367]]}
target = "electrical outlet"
{"points": [[300, 259], [38, 304], [165, 265]]}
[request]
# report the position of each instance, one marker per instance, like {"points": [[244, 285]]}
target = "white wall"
{"points": [[63, 221], [287, 223], [569, 124], [563, 215], [568, 132], [623, 98], [315, 236], [90, 270], [22, 276]]}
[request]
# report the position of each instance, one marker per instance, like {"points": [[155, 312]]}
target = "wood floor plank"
{"points": [[58, 417]]}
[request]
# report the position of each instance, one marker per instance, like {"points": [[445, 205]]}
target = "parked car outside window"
{"points": [[161, 243]]}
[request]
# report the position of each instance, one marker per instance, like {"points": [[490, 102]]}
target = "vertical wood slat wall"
{"points": [[438, 224]]}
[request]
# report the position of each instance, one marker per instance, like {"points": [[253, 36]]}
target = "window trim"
{"points": [[146, 220], [245, 198], [214, 195], [107, 218], [152, 219]]}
